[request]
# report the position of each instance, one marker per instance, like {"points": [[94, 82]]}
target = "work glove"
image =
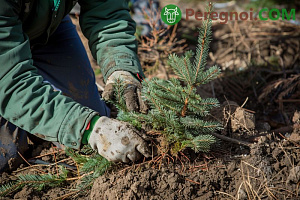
{"points": [[132, 92], [117, 141]]}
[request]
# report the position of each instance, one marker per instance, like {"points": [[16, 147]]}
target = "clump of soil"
{"points": [[270, 168]]}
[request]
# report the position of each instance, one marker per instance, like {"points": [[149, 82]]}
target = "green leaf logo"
{"points": [[171, 14]]}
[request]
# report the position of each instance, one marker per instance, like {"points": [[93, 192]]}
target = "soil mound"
{"points": [[270, 168]]}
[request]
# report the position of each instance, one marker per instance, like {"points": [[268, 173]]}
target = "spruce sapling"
{"points": [[176, 110]]}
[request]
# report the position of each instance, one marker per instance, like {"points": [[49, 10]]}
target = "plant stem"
{"points": [[203, 40]]}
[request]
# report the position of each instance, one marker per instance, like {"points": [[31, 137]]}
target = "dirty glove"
{"points": [[117, 141], [132, 92]]}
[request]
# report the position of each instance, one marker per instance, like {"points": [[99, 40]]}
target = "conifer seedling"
{"points": [[176, 110]]}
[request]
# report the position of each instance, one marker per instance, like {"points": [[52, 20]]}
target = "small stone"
{"points": [[242, 194], [295, 137], [242, 119], [296, 117], [263, 127], [294, 175]]}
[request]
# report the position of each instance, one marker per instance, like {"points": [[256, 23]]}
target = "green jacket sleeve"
{"points": [[25, 100], [110, 30]]}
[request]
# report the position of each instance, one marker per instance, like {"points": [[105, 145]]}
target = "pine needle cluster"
{"points": [[36, 181], [176, 110], [90, 166]]}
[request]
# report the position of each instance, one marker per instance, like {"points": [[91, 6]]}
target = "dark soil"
{"points": [[270, 168]]}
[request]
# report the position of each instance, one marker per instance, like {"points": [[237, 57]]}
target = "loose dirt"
{"points": [[269, 168]]}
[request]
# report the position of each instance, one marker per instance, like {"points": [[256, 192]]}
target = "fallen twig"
{"points": [[228, 139], [284, 129], [193, 181]]}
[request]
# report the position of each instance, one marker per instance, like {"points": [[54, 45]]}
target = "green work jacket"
{"points": [[30, 103]]}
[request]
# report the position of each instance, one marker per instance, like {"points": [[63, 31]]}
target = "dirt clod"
{"points": [[294, 175], [24, 193], [242, 119], [270, 163]]}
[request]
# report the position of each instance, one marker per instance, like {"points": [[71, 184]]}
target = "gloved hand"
{"points": [[132, 92], [117, 141]]}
